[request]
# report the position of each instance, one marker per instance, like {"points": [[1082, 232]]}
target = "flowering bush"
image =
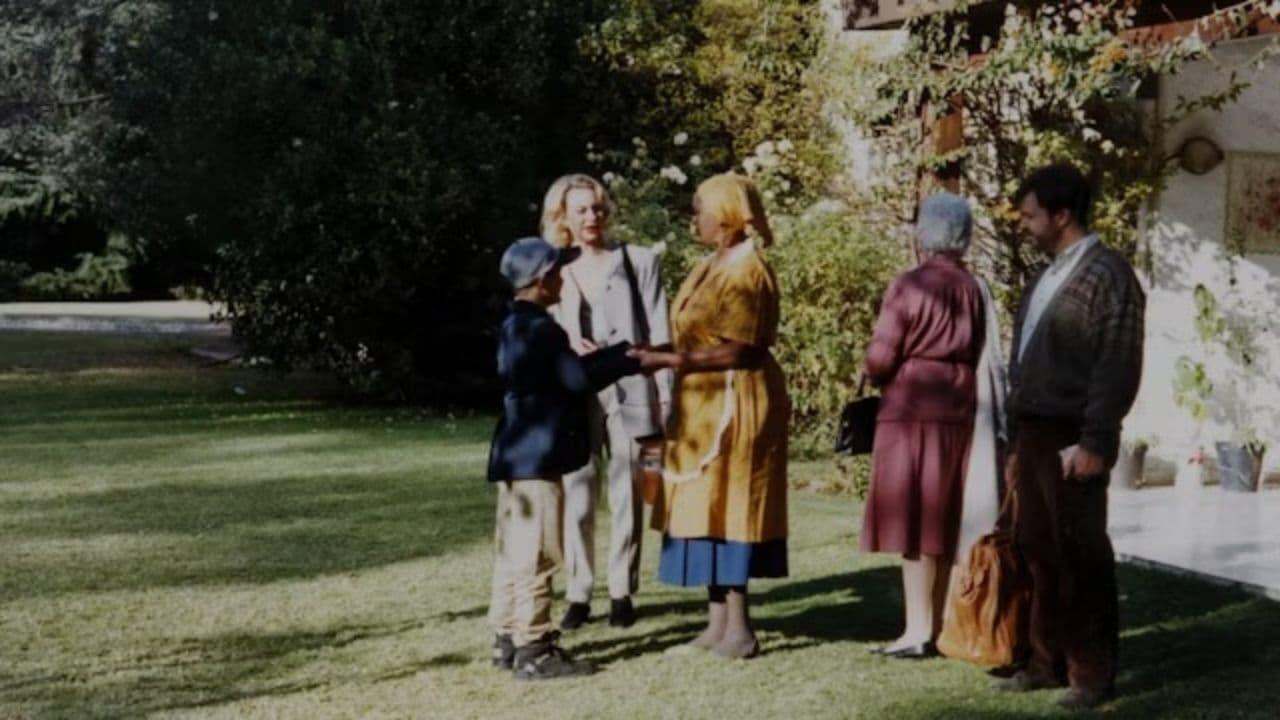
{"points": [[1060, 81]]}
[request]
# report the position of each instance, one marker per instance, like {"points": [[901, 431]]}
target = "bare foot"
{"points": [[708, 639], [735, 646]]}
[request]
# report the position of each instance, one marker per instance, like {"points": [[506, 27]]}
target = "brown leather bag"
{"points": [[986, 621]]}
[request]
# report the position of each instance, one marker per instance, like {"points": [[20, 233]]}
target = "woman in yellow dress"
{"points": [[723, 507]]}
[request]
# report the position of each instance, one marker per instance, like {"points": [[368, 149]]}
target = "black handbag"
{"points": [[857, 432]]}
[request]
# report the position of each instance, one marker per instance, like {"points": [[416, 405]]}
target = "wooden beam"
{"points": [[1212, 27]]}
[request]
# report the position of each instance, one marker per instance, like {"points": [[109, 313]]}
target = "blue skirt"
{"points": [[704, 562]]}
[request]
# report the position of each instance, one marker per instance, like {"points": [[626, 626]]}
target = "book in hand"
{"points": [[608, 365]]}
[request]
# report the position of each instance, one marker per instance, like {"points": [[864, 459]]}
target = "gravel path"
{"points": [[131, 318]]}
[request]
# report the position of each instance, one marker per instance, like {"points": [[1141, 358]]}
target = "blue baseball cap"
{"points": [[528, 259]]}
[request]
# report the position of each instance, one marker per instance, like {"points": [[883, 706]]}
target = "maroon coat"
{"points": [[923, 356]]}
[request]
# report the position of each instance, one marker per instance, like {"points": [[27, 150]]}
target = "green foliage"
{"points": [[832, 276], [55, 71], [349, 170], [1221, 334], [1192, 388], [748, 79], [11, 277], [342, 174], [95, 277]]}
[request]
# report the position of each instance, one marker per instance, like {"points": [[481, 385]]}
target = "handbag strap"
{"points": [[1007, 518], [637, 302], [862, 386], [641, 320]]}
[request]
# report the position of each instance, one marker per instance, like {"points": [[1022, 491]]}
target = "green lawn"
{"points": [[186, 541]]}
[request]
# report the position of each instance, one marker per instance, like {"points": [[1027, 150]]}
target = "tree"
{"points": [[349, 169]]}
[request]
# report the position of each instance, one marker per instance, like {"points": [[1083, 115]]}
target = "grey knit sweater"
{"points": [[1083, 363]]}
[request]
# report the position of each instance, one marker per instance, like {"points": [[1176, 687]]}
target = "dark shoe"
{"points": [[1023, 681], [504, 652], [622, 613], [923, 651], [577, 615], [1083, 699], [545, 660]]}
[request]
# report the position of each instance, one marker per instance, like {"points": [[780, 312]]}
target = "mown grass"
{"points": [[190, 541]]}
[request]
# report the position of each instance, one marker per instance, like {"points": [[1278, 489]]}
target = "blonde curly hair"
{"points": [[554, 226]]}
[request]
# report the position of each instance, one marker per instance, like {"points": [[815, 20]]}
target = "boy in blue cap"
{"points": [[543, 434]]}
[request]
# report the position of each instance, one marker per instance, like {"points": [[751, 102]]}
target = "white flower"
{"points": [[297, 142], [1092, 135], [1274, 9], [674, 174], [1108, 146], [609, 178], [681, 138], [213, 16], [751, 165], [659, 247], [696, 161], [785, 147], [765, 149]]}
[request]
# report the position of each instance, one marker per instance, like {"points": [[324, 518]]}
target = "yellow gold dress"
{"points": [[726, 460]]}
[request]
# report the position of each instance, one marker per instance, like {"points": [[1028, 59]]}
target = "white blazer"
{"points": [[638, 398]]}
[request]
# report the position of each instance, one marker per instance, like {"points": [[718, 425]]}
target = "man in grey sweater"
{"points": [[1077, 364]]}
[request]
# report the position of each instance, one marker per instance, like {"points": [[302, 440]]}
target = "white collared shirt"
{"points": [[1050, 283]]}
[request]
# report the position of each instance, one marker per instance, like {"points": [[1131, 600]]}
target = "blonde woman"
{"points": [[612, 293], [723, 509]]}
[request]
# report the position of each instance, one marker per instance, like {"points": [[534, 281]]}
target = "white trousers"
{"points": [[613, 446]]}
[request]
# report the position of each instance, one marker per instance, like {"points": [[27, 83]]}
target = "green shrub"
{"points": [[96, 277], [832, 275], [11, 276]]}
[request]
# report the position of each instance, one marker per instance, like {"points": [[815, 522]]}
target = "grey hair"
{"points": [[945, 224]]}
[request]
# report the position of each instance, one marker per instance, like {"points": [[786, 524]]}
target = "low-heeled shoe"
{"points": [[923, 651]]}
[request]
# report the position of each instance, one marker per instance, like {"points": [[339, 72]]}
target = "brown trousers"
{"points": [[527, 554], [1062, 531]]}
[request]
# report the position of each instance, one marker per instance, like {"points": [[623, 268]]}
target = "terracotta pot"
{"points": [[1127, 473]]}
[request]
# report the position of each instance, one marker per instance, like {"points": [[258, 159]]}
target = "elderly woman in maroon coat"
{"points": [[924, 356]]}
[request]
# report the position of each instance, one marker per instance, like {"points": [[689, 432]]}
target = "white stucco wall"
{"points": [[1187, 245]]}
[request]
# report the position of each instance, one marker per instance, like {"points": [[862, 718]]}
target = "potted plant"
{"points": [[1191, 391], [1192, 387], [1239, 459]]}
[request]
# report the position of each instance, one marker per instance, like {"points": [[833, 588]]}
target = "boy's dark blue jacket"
{"points": [[543, 432]]}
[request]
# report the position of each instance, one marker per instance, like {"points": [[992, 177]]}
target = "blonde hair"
{"points": [[734, 201], [554, 227]]}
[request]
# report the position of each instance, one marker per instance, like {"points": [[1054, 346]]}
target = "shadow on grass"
{"points": [[864, 606], [1187, 650], [212, 671], [240, 532]]}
